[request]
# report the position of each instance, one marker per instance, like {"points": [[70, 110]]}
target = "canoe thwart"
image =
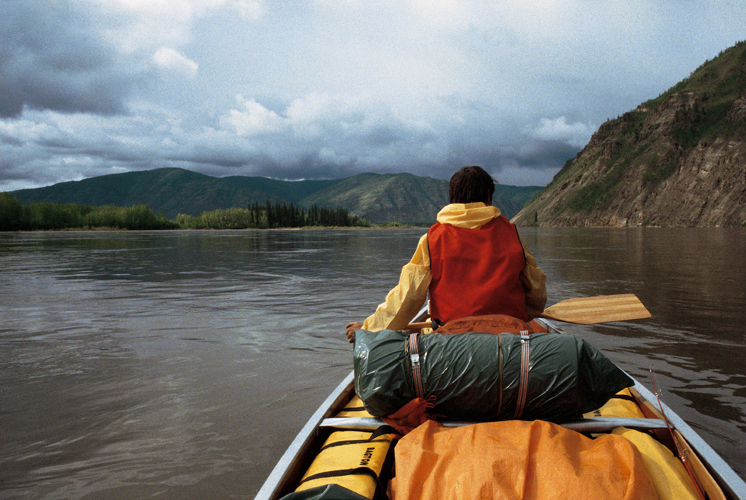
{"points": [[580, 425]]}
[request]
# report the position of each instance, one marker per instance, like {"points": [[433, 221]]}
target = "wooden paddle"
{"points": [[601, 309], [587, 310]]}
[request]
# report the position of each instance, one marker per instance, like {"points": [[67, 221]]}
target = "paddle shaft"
{"points": [[587, 310]]}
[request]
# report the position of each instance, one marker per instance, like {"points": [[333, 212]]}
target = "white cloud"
{"points": [[315, 114], [134, 25], [171, 59], [445, 13], [516, 175], [184, 9], [575, 134], [334, 130], [309, 117], [252, 119], [248, 9]]}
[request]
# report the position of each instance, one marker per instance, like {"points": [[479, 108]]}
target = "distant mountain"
{"points": [[677, 160], [403, 198], [386, 198], [173, 191], [406, 198]]}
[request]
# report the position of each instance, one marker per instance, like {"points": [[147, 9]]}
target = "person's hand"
{"points": [[351, 329]]}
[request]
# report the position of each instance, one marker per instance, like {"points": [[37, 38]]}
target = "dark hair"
{"points": [[471, 185]]}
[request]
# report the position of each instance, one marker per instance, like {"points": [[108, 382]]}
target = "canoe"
{"points": [[713, 476]]}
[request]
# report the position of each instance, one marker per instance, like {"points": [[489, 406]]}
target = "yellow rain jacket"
{"points": [[407, 298]]}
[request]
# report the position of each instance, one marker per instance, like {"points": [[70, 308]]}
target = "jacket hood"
{"points": [[468, 215]]}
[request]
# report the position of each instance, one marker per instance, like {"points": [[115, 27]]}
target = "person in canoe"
{"points": [[472, 262]]}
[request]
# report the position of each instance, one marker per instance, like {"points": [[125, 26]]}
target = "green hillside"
{"points": [[385, 198], [173, 191], [675, 160], [403, 198], [406, 198]]}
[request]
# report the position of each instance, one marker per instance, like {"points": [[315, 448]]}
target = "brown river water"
{"points": [[181, 364]]}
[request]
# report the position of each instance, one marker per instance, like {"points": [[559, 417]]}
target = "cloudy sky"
{"points": [[312, 89]]}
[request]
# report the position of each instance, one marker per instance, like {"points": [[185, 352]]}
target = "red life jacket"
{"points": [[476, 271]]}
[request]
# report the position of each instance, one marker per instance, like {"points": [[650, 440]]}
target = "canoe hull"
{"points": [[713, 474]]}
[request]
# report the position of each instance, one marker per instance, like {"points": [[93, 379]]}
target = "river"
{"points": [[180, 364]]}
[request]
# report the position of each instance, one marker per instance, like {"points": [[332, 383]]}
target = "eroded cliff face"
{"points": [[676, 160], [648, 168]]}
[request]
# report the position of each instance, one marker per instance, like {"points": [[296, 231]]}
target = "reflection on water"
{"points": [[694, 283], [181, 364]]}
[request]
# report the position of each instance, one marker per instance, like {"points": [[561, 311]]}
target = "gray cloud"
{"points": [[53, 57], [332, 88]]}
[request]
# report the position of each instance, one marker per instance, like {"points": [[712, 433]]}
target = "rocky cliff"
{"points": [[677, 160]]}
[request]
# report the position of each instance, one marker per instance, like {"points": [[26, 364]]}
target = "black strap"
{"points": [[384, 430], [356, 441], [359, 408]]}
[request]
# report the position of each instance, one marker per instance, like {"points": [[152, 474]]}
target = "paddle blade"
{"points": [[601, 309]]}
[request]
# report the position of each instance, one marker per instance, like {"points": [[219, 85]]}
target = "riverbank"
{"points": [[15, 216]]}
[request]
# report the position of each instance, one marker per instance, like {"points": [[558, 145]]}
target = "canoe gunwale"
{"points": [[731, 484], [292, 464]]}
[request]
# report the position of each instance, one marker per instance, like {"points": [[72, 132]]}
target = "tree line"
{"points": [[269, 216], [43, 215], [15, 216]]}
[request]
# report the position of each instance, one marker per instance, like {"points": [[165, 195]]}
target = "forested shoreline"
{"points": [[270, 216], [41, 216]]}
